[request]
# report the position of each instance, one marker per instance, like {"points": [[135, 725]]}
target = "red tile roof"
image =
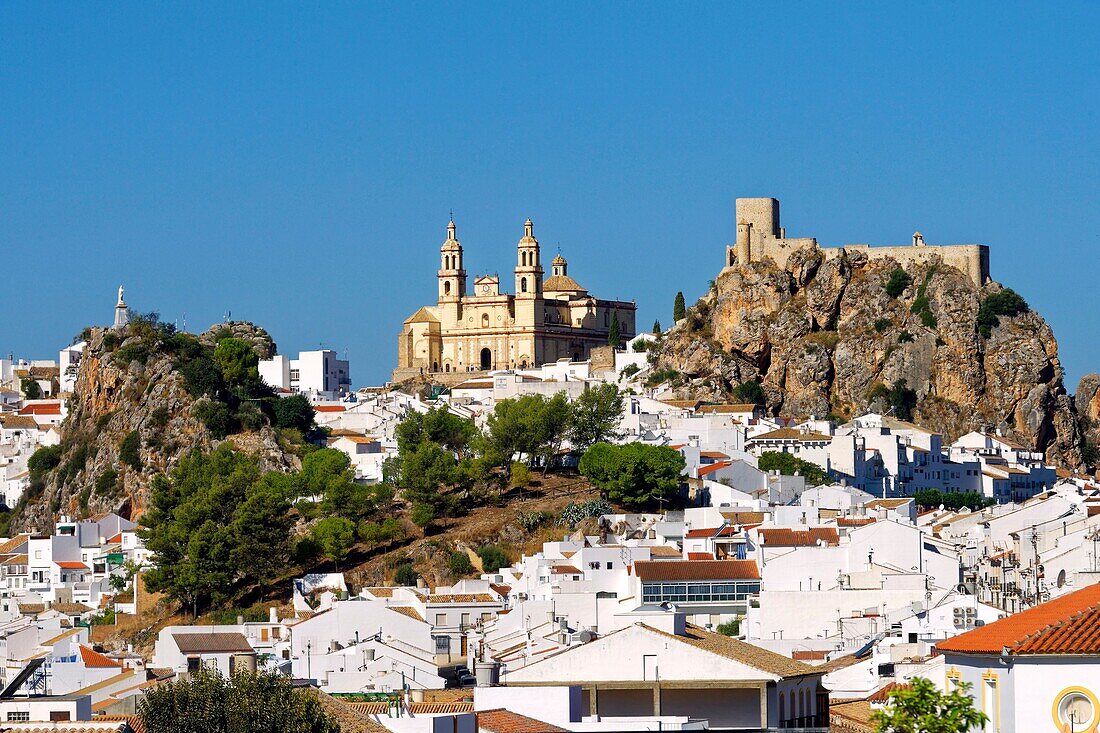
{"points": [[854, 521], [42, 408], [1066, 625], [71, 565], [505, 721], [711, 468], [700, 556], [786, 537], [92, 658], [727, 531], [329, 408], [883, 693], [696, 570]]}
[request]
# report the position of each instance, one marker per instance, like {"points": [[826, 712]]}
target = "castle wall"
{"points": [[972, 259]]}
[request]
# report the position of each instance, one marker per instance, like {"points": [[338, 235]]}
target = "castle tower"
{"points": [[452, 276], [122, 311], [528, 266], [744, 236]]}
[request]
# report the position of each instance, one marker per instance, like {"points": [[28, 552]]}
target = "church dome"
{"points": [[559, 260], [451, 244]]}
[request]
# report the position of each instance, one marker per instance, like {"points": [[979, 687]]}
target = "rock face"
{"points": [[826, 338], [112, 400]]}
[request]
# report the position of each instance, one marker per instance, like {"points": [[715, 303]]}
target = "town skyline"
{"points": [[304, 180]]}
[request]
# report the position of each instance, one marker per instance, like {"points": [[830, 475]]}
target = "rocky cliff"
{"points": [[828, 338], [130, 418]]}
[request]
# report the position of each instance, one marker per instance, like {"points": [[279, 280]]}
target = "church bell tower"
{"points": [[452, 277]]}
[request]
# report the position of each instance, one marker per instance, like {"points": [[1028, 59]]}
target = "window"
{"points": [[193, 664], [523, 285], [441, 619], [700, 592], [19, 716], [465, 619], [442, 644], [59, 715], [610, 565]]}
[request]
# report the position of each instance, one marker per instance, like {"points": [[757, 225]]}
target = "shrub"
{"points": [[459, 563], [216, 416], [750, 392], [881, 324], [898, 282], [729, 628], [110, 341], [137, 351], [406, 574], [530, 521], [630, 370], [43, 461], [905, 337], [521, 475], [574, 513], [106, 484], [129, 451], [294, 412], [250, 417], [422, 515], [640, 344], [1001, 303], [159, 418], [789, 464], [30, 388], [492, 558], [659, 377], [103, 420]]}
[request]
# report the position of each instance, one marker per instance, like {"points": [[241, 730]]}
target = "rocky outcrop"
{"points": [[146, 397], [824, 337]]}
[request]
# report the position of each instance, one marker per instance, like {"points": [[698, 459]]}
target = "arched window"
{"points": [[782, 709], [446, 288], [523, 285], [484, 320]]}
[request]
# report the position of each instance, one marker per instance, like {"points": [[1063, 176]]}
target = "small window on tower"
{"points": [[523, 285], [446, 288]]}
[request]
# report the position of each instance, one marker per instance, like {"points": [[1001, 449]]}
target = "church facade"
{"points": [[481, 328]]}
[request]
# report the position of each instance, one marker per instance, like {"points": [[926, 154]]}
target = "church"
{"points": [[483, 328]]}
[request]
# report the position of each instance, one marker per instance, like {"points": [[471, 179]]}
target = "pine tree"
{"points": [[614, 337], [656, 328], [679, 310]]}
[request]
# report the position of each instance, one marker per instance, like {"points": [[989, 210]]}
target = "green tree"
{"points": [[294, 412], [898, 282], [247, 702], [679, 308], [425, 471], [261, 531], [237, 361], [922, 708], [406, 575], [493, 558], [751, 392], [129, 452], [597, 413], [438, 425], [1001, 303], [30, 388], [459, 563], [656, 328], [532, 425], [614, 333], [216, 416], [336, 536], [635, 474], [902, 399], [789, 465], [44, 460]]}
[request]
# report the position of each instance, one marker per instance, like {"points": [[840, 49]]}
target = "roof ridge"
{"points": [[1059, 624]]}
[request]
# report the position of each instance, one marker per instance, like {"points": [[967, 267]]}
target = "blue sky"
{"points": [[296, 166]]}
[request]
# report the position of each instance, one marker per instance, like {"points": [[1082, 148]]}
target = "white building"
{"points": [[317, 373]]}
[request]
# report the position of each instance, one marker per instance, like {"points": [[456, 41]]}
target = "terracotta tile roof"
{"points": [[453, 694], [31, 608], [369, 708], [883, 693], [802, 655], [60, 637], [349, 720], [505, 721], [740, 651], [562, 284], [700, 556], [329, 408], [42, 408], [380, 591], [786, 537], [695, 534], [736, 517], [407, 611], [712, 467], [218, 642], [87, 726], [92, 658], [887, 503], [14, 544], [71, 565], [463, 598], [18, 422], [16, 560], [684, 404], [565, 570], [851, 716], [727, 409], [1066, 625], [71, 609], [664, 551], [697, 570], [500, 590], [854, 521], [794, 434], [713, 454]]}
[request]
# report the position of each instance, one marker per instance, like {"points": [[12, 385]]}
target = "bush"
{"points": [[106, 484], [406, 574], [492, 558], [635, 474], [898, 282], [881, 324], [659, 377], [250, 417], [574, 513], [422, 515], [630, 370], [129, 451], [159, 418], [729, 628], [521, 474], [788, 464], [43, 460], [640, 344], [1001, 303], [216, 416], [137, 351], [750, 392], [530, 521], [905, 337], [459, 563], [294, 412], [30, 388]]}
